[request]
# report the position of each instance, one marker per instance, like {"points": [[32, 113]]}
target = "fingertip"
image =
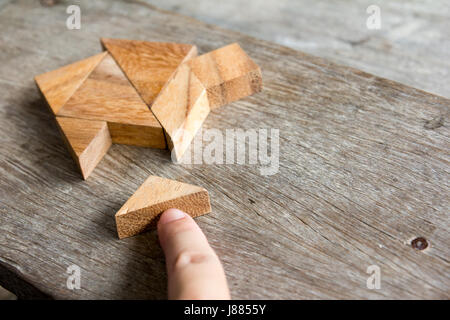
{"points": [[194, 270], [171, 215]]}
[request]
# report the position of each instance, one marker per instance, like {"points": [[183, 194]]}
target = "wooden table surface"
{"points": [[364, 168], [412, 45]]}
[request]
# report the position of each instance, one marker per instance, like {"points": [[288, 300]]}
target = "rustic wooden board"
{"points": [[363, 170], [411, 47]]}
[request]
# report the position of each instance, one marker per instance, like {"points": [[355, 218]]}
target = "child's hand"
{"points": [[193, 268]]}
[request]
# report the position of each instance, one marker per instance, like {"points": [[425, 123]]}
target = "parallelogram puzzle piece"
{"points": [[87, 140], [142, 210], [228, 74], [148, 65], [181, 108], [108, 95], [57, 86]]}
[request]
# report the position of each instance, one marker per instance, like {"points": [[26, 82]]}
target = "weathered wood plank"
{"points": [[363, 170], [412, 46]]}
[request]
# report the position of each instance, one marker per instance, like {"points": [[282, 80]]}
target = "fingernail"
{"points": [[171, 215]]}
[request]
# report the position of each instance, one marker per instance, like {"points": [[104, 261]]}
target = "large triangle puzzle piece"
{"points": [[87, 140], [148, 65], [108, 95], [142, 210], [58, 85]]}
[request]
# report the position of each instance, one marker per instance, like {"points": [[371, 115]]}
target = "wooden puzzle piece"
{"points": [[154, 196], [148, 65], [57, 86], [108, 95], [228, 74], [181, 108], [87, 140]]}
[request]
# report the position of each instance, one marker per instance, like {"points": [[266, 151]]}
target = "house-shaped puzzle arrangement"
{"points": [[148, 94]]}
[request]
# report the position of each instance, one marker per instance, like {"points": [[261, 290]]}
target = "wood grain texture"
{"points": [[137, 135], [108, 95], [58, 85], [228, 74], [181, 107], [148, 65], [87, 140], [411, 47], [363, 170], [142, 210]]}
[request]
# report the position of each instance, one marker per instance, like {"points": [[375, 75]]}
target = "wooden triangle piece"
{"points": [[87, 140], [181, 108], [142, 210], [58, 85], [228, 74], [108, 95], [148, 65]]}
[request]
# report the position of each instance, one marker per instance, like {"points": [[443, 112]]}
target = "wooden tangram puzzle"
{"points": [[148, 94]]}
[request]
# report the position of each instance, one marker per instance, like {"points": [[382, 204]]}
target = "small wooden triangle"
{"points": [[142, 210], [87, 140], [108, 95], [148, 65], [58, 85]]}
